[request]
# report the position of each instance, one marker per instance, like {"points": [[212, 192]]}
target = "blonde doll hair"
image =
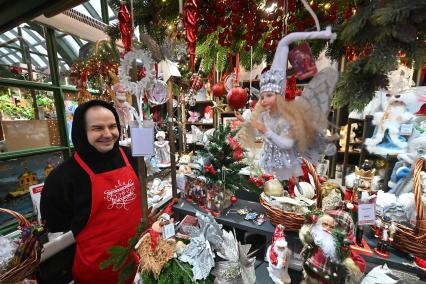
{"points": [[296, 112]]}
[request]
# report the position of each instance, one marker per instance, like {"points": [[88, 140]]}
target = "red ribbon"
{"points": [[291, 90]]}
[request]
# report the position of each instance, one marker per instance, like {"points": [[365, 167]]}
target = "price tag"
{"points": [[366, 213], [406, 129], [168, 231]]}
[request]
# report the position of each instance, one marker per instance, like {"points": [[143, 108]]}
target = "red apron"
{"points": [[114, 216]]}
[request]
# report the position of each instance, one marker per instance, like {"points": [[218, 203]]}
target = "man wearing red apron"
{"points": [[95, 193]]}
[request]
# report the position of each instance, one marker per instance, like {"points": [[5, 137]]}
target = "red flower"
{"points": [[233, 143], [238, 154], [209, 169]]}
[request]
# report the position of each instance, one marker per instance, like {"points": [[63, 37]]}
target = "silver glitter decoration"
{"points": [[273, 80]]}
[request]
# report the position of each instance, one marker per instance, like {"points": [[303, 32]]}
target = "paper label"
{"points": [[142, 141], [168, 231], [406, 129], [366, 213], [35, 192]]}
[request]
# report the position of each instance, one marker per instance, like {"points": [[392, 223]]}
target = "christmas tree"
{"points": [[223, 160]]}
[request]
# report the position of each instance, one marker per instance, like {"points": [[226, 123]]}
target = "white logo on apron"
{"points": [[122, 194]]}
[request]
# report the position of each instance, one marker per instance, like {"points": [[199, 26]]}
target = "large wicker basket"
{"points": [[291, 220], [28, 266], [413, 240]]}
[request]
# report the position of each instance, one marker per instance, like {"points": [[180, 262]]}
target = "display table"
{"points": [[397, 260]]}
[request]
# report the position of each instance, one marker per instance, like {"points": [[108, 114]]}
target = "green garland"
{"points": [[174, 272], [120, 254]]}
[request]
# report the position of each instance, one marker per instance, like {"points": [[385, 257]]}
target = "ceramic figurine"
{"points": [[278, 256], [162, 150], [385, 229]]}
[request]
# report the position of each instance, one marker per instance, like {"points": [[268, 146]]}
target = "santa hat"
{"points": [[422, 110], [278, 239], [168, 210]]}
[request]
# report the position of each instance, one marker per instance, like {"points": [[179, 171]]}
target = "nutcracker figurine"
{"points": [[360, 193], [385, 229]]}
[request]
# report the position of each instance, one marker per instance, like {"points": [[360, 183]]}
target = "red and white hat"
{"points": [[278, 238]]}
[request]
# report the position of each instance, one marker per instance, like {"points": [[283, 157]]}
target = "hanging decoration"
{"points": [[191, 18], [125, 23], [237, 98], [139, 87], [218, 90]]}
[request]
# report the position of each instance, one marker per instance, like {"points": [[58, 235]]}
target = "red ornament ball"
{"points": [[237, 97], [218, 90], [234, 199]]}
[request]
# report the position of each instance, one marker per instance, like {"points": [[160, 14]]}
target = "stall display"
{"points": [[280, 189]]}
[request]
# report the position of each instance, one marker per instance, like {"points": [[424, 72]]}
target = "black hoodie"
{"points": [[66, 198]]}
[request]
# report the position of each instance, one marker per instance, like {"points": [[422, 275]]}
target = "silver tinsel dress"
{"points": [[279, 155]]}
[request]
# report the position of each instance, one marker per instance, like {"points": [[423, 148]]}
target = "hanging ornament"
{"points": [[218, 90], [291, 90], [158, 94], [126, 29], [191, 17], [234, 199], [237, 98]]}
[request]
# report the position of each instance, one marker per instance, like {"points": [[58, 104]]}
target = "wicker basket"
{"points": [[413, 240], [28, 266], [291, 220]]}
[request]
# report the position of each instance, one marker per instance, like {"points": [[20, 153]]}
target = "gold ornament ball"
{"points": [[273, 187]]}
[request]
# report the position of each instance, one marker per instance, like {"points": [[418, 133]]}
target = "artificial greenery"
{"points": [[120, 254], [222, 163], [378, 34], [174, 272]]}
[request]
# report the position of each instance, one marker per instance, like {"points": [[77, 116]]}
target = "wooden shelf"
{"points": [[199, 123], [203, 102]]}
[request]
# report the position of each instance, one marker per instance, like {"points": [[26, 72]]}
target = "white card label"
{"points": [[168, 231], [366, 213], [406, 129]]}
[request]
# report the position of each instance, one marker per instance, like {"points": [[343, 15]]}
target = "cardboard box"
{"points": [[25, 134]]}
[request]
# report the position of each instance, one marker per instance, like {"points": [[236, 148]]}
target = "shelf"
{"points": [[203, 102], [199, 123]]}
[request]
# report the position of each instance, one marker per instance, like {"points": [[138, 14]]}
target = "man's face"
{"points": [[101, 128]]}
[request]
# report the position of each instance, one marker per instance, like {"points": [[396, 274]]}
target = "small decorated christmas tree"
{"points": [[223, 160]]}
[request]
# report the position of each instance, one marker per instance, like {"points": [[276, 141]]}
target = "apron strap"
{"points": [[126, 161], [83, 164]]}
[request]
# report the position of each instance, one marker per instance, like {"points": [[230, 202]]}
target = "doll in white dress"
{"points": [[292, 129], [162, 150]]}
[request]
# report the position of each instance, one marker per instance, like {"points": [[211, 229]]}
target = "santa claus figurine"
{"points": [[278, 255], [327, 258]]}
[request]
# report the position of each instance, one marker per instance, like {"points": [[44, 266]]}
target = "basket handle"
{"points": [[314, 174], [420, 224], [21, 219]]}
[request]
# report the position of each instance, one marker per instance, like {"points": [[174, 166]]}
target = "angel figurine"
{"points": [[291, 128], [162, 150]]}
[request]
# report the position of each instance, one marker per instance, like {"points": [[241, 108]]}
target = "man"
{"points": [[95, 194]]}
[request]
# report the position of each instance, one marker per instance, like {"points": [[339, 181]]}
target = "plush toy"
{"points": [[278, 257], [194, 116], [184, 164], [387, 138]]}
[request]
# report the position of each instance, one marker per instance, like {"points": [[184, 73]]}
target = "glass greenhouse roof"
{"points": [[32, 37]]}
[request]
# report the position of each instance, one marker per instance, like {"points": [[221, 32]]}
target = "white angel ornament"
{"points": [[292, 129]]}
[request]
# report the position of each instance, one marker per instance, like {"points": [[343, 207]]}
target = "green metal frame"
{"points": [[53, 44]]}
